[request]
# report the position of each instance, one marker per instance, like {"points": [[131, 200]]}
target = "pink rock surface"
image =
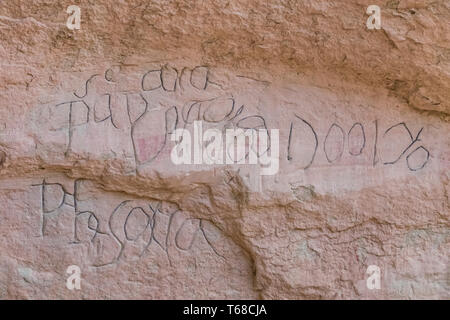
{"points": [[87, 119]]}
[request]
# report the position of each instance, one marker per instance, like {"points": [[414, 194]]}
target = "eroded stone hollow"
{"points": [[87, 125]]}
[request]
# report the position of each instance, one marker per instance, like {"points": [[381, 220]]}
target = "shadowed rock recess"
{"points": [[88, 116]]}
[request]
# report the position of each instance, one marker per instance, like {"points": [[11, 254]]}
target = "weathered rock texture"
{"points": [[86, 119]]}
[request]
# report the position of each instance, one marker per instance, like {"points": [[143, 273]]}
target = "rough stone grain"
{"points": [[87, 117]]}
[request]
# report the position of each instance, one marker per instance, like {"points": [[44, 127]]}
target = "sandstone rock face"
{"points": [[87, 125]]}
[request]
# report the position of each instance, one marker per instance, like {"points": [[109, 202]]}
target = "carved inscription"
{"points": [[136, 226], [150, 124]]}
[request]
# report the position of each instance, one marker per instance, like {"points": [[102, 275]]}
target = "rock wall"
{"points": [[87, 125]]}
